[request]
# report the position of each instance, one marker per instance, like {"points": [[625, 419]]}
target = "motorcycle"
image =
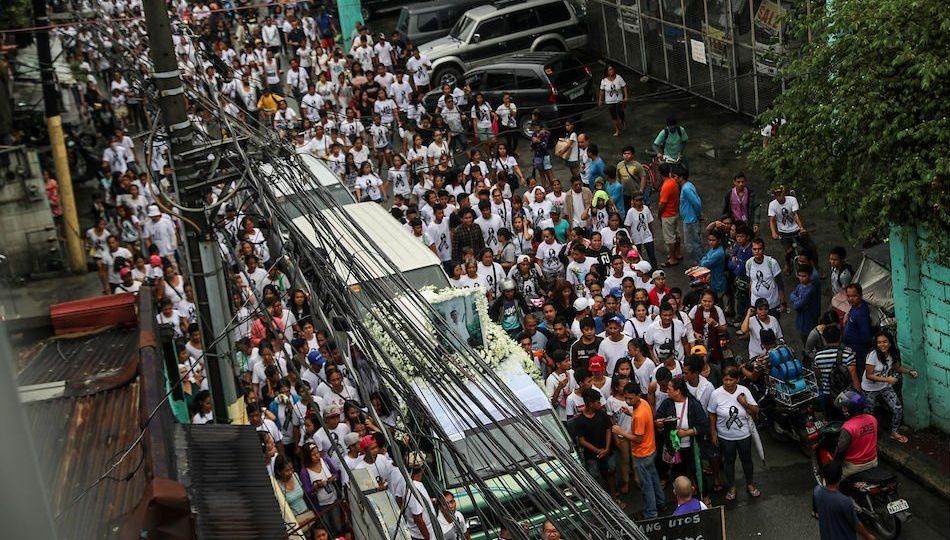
{"points": [[786, 394], [874, 491]]}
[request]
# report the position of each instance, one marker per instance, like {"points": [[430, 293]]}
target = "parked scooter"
{"points": [[874, 491]]}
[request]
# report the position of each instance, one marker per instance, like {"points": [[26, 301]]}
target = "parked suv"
{"points": [[424, 21], [556, 84], [486, 33]]}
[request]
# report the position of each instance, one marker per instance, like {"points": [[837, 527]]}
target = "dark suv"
{"points": [[557, 84]]}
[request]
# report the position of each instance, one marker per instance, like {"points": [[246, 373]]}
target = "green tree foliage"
{"points": [[868, 116]]}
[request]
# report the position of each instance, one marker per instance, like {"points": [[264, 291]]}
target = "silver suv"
{"points": [[487, 33]]}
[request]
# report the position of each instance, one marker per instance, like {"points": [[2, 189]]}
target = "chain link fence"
{"points": [[723, 50]]}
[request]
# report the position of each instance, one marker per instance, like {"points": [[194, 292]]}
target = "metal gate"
{"points": [[722, 50]]}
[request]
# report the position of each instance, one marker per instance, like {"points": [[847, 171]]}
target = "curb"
{"points": [[915, 467]]}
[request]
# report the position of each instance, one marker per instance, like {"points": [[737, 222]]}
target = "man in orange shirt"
{"points": [[643, 447], [669, 215]]}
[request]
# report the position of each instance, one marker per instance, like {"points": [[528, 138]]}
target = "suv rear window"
{"points": [[554, 13], [565, 71]]}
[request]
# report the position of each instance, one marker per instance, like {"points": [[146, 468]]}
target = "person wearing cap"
{"points": [[761, 327], [670, 142], [582, 309], [352, 458], [599, 380], [380, 467], [660, 290], [128, 284], [614, 345], [331, 435], [159, 230], [667, 335], [418, 504], [527, 278], [508, 310]]}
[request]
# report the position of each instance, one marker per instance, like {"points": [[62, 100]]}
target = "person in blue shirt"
{"points": [[691, 209], [741, 252], [806, 300], [715, 261], [857, 325], [614, 188], [596, 168]]}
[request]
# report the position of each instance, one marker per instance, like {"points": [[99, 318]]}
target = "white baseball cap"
{"points": [[581, 304], [643, 266], [153, 210]]}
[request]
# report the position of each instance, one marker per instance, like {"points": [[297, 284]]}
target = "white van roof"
{"points": [[317, 167], [455, 423], [406, 252]]}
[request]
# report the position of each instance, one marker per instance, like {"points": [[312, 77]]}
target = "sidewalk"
{"points": [[925, 458]]}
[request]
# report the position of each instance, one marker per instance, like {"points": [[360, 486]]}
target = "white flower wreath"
{"points": [[497, 346]]}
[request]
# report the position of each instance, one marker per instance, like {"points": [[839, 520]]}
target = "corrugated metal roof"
{"points": [[81, 358], [76, 440], [231, 494]]}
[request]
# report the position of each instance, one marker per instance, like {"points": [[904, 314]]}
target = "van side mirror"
{"points": [[476, 38]]}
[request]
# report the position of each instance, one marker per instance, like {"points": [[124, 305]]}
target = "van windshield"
{"points": [[482, 453], [293, 204], [463, 28]]}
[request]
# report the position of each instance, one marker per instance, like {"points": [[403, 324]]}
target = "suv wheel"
{"points": [[449, 75], [526, 126]]}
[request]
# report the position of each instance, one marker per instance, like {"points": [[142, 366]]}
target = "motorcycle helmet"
{"points": [[507, 285], [850, 401]]}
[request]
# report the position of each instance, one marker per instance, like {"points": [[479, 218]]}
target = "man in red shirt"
{"points": [[669, 215], [857, 443]]}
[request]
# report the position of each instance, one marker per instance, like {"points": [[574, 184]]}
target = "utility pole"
{"points": [[75, 257], [204, 270]]}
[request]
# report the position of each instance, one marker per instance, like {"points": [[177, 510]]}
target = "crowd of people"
{"points": [[649, 378]]}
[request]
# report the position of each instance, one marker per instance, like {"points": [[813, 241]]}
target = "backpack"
{"points": [[839, 378]]}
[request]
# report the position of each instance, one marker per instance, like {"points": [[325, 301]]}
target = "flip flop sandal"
{"points": [[897, 437], [731, 495], [754, 492]]}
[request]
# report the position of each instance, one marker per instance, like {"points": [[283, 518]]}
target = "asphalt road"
{"points": [[784, 509]]}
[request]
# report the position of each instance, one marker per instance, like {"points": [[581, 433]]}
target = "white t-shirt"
{"points": [[701, 391], [414, 508], [548, 255], [327, 443], [612, 351], [539, 211], [613, 90], [762, 276], [880, 369], [441, 237], [637, 222], [732, 420], [577, 272], [683, 422], [419, 68], [755, 330], [369, 186], [326, 495], [620, 412], [550, 385], [784, 215], [490, 229], [491, 276], [656, 335], [644, 373], [635, 328]]}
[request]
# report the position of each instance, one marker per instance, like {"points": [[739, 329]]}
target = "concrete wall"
{"points": [[922, 305]]}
